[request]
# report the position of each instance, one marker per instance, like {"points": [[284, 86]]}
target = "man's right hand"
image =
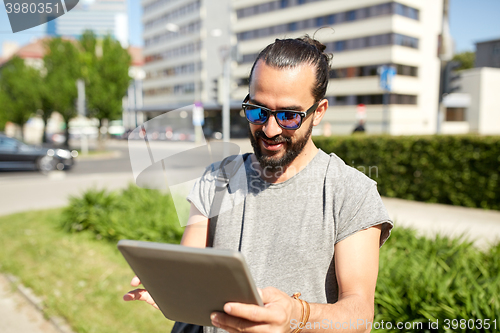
{"points": [[139, 294]]}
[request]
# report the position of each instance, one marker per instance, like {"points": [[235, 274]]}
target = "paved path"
{"points": [[481, 226], [17, 315]]}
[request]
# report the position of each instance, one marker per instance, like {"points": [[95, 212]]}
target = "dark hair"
{"points": [[289, 53]]}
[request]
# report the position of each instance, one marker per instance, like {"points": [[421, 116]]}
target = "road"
{"points": [[27, 190]]}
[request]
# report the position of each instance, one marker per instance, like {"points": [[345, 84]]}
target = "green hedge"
{"points": [[457, 170], [135, 213], [420, 279], [423, 279]]}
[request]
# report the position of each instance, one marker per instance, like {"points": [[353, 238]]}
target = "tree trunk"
{"points": [[66, 134], [44, 136], [101, 142], [22, 131]]}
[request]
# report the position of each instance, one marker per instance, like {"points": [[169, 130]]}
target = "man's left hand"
{"points": [[276, 315]]}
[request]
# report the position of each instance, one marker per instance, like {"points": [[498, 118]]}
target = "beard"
{"points": [[293, 149]]}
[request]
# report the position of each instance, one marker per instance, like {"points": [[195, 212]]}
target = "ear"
{"points": [[320, 111]]}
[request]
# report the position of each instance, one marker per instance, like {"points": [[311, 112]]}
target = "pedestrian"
{"points": [[360, 128], [309, 224]]}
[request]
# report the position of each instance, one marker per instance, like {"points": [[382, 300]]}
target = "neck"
{"points": [[285, 173]]}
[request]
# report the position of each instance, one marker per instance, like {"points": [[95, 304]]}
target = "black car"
{"points": [[16, 155]]}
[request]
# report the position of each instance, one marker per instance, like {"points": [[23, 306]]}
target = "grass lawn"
{"points": [[76, 276]]}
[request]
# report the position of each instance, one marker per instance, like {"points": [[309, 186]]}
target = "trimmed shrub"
{"points": [[422, 280], [456, 170], [135, 213]]}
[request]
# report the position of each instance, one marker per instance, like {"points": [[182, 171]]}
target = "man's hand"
{"points": [[139, 294], [276, 315]]}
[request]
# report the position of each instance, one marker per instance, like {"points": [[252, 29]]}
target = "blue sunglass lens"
{"points": [[290, 120], [256, 115], [259, 116]]}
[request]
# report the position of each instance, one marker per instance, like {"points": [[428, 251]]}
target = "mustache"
{"points": [[276, 139]]}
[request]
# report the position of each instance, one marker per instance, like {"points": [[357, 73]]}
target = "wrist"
{"points": [[304, 314], [297, 314]]}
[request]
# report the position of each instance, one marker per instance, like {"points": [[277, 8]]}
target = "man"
{"points": [[302, 207]]}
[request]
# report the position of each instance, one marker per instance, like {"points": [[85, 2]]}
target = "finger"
{"points": [[260, 293], [251, 312], [135, 281], [234, 324], [139, 295], [271, 294]]}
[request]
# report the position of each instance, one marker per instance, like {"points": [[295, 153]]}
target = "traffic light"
{"points": [[215, 89], [449, 78]]}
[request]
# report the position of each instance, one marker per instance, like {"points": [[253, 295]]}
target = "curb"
{"points": [[58, 322], [103, 156]]}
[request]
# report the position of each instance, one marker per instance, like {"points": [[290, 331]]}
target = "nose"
{"points": [[271, 127]]}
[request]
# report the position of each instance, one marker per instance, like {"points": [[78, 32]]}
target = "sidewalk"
{"points": [[18, 315], [482, 226]]}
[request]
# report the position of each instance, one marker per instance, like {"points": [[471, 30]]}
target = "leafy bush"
{"points": [[423, 279], [135, 213], [457, 170]]}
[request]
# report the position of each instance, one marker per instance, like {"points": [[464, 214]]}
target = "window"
{"points": [[455, 114], [8, 144], [351, 15], [284, 3], [292, 26], [340, 46]]}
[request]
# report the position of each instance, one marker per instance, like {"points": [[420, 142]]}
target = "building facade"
{"points": [[102, 16], [362, 35], [488, 54], [185, 45], [475, 108]]}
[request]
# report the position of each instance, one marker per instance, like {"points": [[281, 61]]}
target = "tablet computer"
{"points": [[188, 283]]}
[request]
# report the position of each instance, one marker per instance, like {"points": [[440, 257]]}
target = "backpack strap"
{"points": [[227, 169]]}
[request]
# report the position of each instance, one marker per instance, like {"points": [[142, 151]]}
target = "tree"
{"points": [[20, 91], [63, 66], [106, 65], [466, 60]]}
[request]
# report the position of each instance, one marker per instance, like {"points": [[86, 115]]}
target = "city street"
{"points": [[22, 191], [112, 170]]}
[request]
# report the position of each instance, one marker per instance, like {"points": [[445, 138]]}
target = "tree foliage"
{"points": [[106, 65], [102, 62], [466, 59], [20, 94], [63, 68]]}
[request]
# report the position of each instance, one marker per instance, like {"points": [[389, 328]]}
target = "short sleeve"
{"points": [[203, 191], [363, 210]]}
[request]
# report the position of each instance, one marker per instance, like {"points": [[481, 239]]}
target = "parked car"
{"points": [[16, 155]]}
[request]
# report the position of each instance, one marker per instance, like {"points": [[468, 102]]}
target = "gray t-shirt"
{"points": [[287, 231]]}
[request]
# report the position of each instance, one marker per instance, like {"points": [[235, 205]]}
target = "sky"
{"points": [[470, 22]]}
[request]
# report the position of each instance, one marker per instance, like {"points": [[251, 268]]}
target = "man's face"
{"points": [[281, 89]]}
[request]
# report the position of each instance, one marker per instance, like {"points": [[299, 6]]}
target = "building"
{"points": [[185, 44], [475, 108], [362, 35], [102, 16], [488, 54]]}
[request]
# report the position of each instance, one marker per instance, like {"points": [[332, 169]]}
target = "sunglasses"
{"points": [[286, 119]]}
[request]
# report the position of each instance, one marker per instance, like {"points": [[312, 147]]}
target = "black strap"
{"points": [[227, 169], [180, 327]]}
